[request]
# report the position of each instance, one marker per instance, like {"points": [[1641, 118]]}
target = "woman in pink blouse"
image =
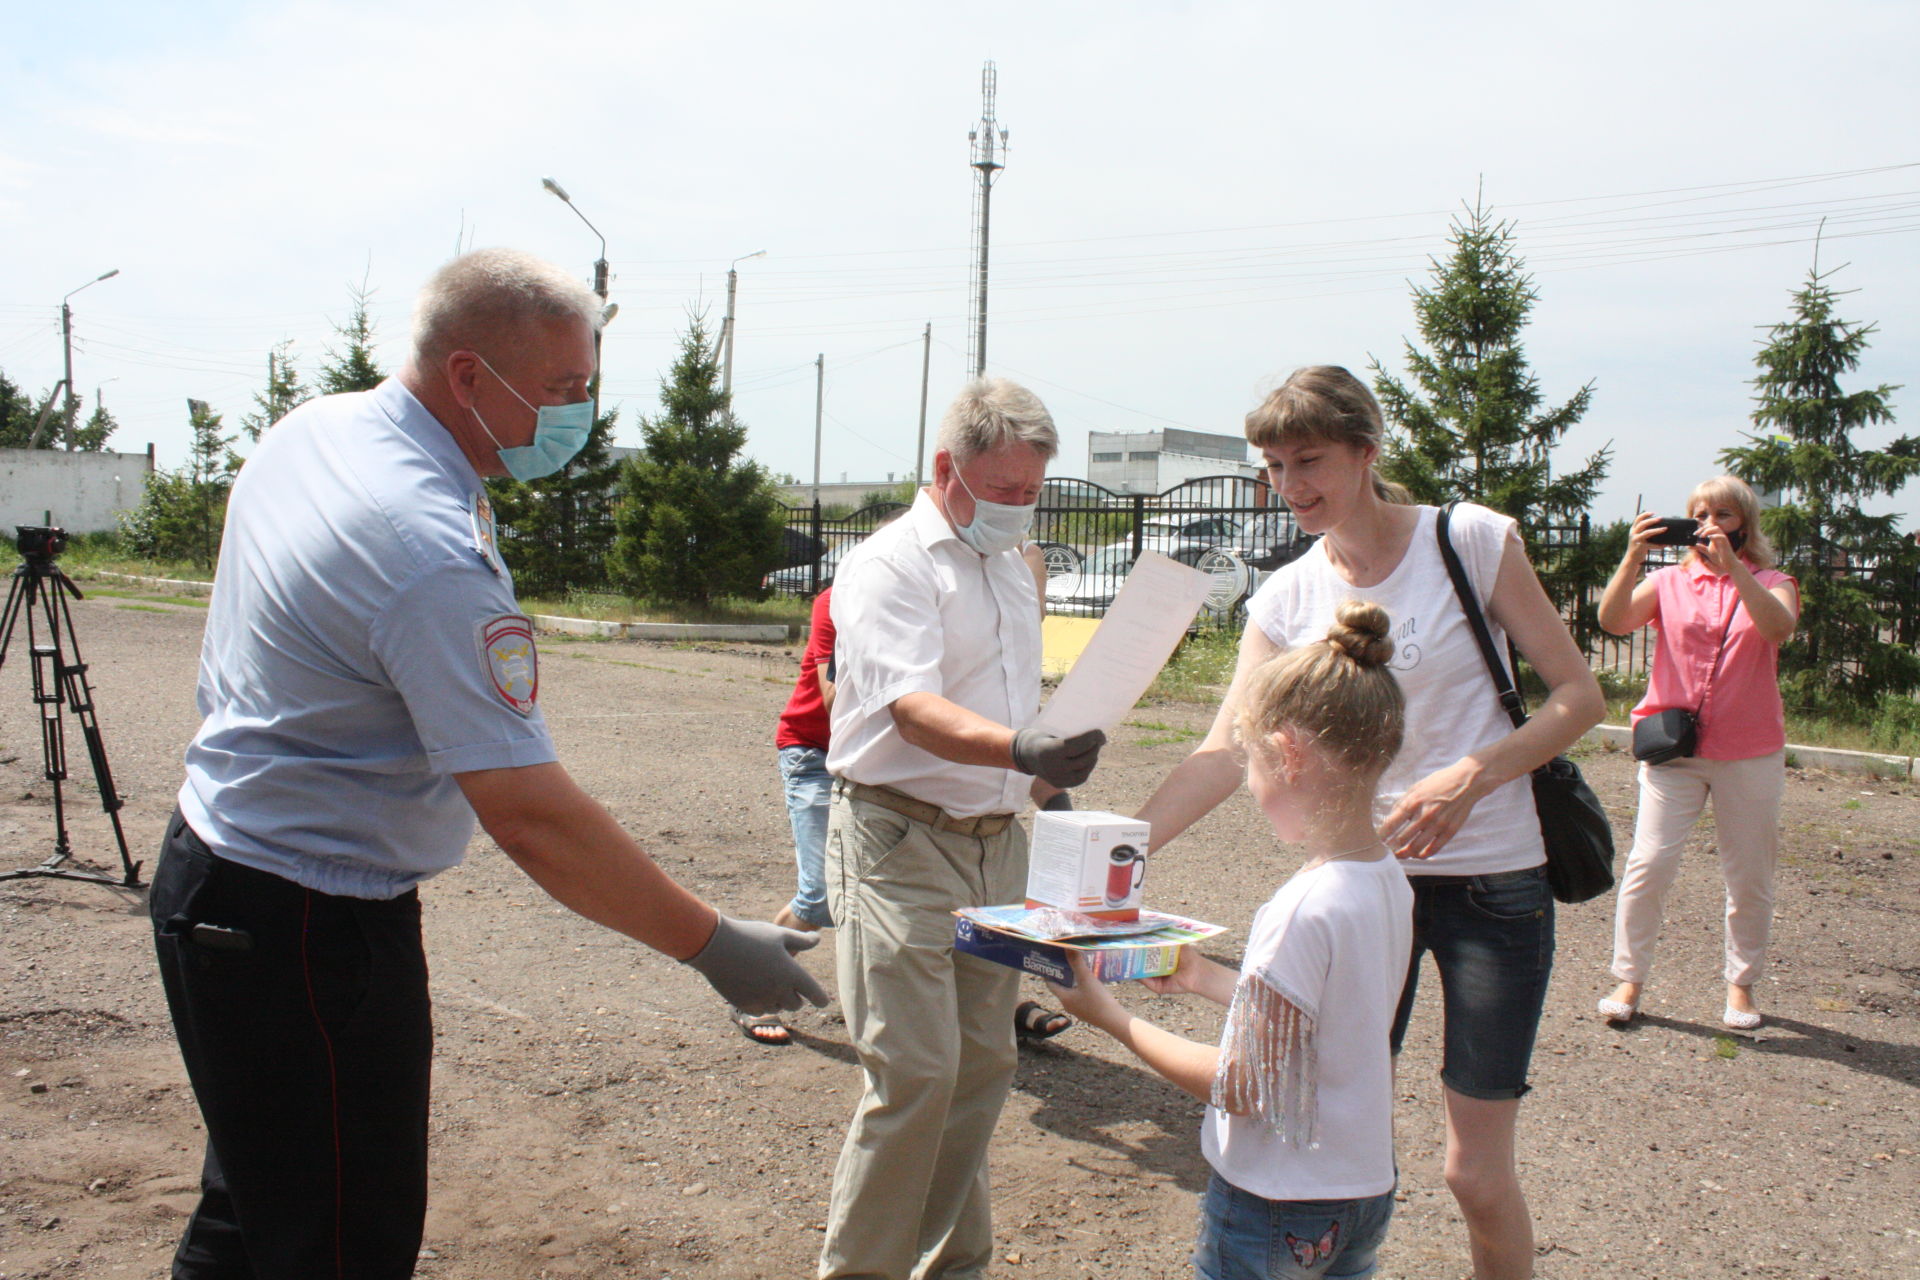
{"points": [[1726, 587]]}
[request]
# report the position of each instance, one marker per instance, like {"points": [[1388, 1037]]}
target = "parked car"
{"points": [[798, 580], [1088, 588], [1059, 557], [1088, 591], [1187, 540], [1269, 540]]}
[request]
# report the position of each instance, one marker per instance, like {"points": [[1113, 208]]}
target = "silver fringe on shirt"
{"points": [[1269, 1064]]}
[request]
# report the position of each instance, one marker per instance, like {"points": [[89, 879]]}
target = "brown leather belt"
{"points": [[986, 824]]}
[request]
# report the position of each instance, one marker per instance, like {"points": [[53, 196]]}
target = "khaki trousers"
{"points": [[934, 1033], [1746, 815]]}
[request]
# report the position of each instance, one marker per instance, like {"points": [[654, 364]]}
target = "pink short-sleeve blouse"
{"points": [[1740, 716]]}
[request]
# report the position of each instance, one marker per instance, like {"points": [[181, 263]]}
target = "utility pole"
{"points": [[819, 406], [926, 360], [989, 142], [726, 326], [66, 344], [599, 285]]}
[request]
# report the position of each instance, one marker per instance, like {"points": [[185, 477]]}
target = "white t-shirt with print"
{"points": [[1332, 943], [1452, 707]]}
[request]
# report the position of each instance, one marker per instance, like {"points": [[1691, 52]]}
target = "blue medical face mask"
{"points": [[996, 526], [559, 433]]}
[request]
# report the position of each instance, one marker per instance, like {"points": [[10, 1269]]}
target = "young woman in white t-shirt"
{"points": [[1300, 1127], [1458, 807]]}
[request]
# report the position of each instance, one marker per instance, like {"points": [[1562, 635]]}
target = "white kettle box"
{"points": [[1087, 861]]}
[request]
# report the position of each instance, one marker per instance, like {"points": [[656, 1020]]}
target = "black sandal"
{"points": [[1034, 1022], [764, 1028]]}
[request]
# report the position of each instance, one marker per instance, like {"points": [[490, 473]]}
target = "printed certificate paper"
{"points": [[1152, 611]]}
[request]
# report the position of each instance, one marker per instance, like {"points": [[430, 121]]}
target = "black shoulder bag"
{"points": [[1674, 734], [1574, 827]]}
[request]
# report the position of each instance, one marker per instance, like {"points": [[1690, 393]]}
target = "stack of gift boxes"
{"points": [[1085, 871]]}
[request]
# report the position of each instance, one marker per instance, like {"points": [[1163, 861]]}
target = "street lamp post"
{"points": [[66, 342], [599, 285], [726, 326]]}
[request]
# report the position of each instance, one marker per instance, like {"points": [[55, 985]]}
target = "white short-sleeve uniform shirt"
{"points": [[916, 610], [362, 646]]}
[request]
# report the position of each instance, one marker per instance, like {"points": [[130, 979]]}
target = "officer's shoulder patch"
{"points": [[511, 661]]}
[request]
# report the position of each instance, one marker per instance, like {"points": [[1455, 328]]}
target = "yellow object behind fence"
{"points": [[1062, 640]]}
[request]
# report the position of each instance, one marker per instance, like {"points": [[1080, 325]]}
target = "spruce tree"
{"points": [[1472, 425], [555, 531], [91, 436], [283, 393], [353, 368], [695, 522], [183, 511], [1854, 570]]}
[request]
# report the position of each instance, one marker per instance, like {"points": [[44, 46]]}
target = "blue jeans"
{"points": [[809, 788], [1492, 940], [1248, 1237]]}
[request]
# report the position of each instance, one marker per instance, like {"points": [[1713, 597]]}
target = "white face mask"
{"points": [[995, 527]]}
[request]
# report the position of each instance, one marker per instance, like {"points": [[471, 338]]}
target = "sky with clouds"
{"points": [[1198, 198]]}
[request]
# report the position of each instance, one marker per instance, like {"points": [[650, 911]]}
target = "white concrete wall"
{"points": [[80, 492], [1178, 468]]}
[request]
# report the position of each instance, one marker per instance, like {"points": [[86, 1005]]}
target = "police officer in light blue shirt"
{"points": [[369, 687]]}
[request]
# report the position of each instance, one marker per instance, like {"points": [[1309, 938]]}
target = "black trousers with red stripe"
{"points": [[308, 1036]]}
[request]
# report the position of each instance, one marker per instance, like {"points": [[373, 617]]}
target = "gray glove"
{"points": [[751, 965], [1064, 762], [1059, 801]]}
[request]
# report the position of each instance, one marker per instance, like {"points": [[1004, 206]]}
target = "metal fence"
{"points": [[1231, 527], [815, 542], [571, 552]]}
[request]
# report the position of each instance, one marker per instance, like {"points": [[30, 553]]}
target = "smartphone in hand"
{"points": [[1677, 531]]}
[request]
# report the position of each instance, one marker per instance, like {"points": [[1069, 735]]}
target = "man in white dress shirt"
{"points": [[938, 661]]}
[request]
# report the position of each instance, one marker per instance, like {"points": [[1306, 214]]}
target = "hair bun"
{"points": [[1360, 631]]}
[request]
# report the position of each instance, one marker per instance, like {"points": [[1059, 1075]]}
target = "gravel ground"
{"points": [[595, 1114]]}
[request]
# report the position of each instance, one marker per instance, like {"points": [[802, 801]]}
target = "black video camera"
{"points": [[40, 543]]}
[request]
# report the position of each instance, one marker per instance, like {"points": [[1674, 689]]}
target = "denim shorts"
{"points": [[1248, 1237], [1492, 940]]}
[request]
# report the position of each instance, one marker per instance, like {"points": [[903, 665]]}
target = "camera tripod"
{"points": [[40, 592]]}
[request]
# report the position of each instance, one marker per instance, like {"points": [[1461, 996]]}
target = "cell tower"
{"points": [[989, 151]]}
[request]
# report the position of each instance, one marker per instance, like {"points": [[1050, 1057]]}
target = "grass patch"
{"points": [[1885, 728], [1891, 727], [1622, 693], [1170, 736], [1200, 669], [1726, 1047], [789, 611], [141, 608], [88, 554], [105, 593]]}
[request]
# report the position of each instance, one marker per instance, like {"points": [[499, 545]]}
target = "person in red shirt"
{"points": [[801, 741]]}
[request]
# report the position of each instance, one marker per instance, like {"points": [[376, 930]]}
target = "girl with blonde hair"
{"points": [[1299, 1129]]}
